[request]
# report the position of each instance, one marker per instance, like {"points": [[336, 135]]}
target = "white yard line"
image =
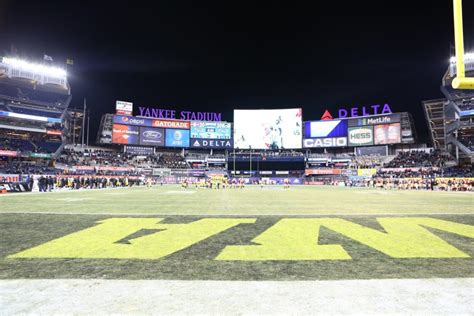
{"points": [[403, 296], [230, 214]]}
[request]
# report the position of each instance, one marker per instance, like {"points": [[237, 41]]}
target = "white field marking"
{"points": [[73, 199], [374, 297], [178, 192], [65, 191], [235, 214]]}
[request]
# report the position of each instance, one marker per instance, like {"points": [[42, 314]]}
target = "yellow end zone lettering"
{"points": [[297, 239], [289, 239], [101, 241]]}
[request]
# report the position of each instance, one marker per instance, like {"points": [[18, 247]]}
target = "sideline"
{"points": [[97, 296]]}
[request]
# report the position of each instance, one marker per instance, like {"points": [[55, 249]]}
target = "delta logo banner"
{"points": [[211, 143]]}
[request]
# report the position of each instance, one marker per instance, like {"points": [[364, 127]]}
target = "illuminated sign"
{"points": [[211, 130], [125, 134], [152, 136], [325, 142], [211, 143], [327, 128], [124, 108], [177, 138], [361, 136], [181, 115], [375, 109], [171, 124], [375, 120], [387, 134]]}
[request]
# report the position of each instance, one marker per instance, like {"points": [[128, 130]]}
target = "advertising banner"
{"points": [[366, 172], [124, 108], [137, 150], [177, 138], [387, 134], [309, 172], [325, 129], [9, 177], [325, 134], [211, 130], [212, 143], [325, 142], [125, 134], [171, 124], [40, 155], [466, 113], [268, 129], [8, 153], [374, 120], [373, 150], [130, 120], [361, 136], [152, 136]]}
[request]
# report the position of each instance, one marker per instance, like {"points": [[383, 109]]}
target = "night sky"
{"points": [[216, 56]]}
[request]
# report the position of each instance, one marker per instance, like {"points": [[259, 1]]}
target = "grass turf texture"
{"points": [[303, 200], [23, 231]]}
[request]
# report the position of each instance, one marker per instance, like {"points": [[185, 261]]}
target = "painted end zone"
{"points": [[235, 248]]}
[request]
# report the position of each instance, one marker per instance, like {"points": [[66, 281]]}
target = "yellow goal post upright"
{"points": [[461, 81]]}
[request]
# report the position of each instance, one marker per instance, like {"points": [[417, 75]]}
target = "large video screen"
{"points": [[211, 130], [125, 134], [387, 134], [177, 137], [268, 129]]}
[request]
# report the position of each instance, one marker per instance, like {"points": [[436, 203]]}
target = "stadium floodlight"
{"points": [[460, 82], [468, 57], [35, 68]]}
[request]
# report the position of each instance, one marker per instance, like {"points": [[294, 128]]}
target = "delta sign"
{"points": [[375, 109]]}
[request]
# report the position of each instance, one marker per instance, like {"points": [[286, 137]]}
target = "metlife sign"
{"points": [[374, 120], [211, 143], [361, 136]]}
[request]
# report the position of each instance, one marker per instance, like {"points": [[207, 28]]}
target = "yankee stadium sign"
{"points": [[180, 115]]}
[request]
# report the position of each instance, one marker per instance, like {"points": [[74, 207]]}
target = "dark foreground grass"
{"points": [[22, 231]]}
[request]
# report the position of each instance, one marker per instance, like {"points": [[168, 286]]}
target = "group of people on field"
{"points": [[210, 183], [438, 184]]}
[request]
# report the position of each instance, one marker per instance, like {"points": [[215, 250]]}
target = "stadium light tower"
{"points": [[460, 82]]}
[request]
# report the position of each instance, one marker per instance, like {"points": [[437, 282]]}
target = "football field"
{"points": [[267, 234]]}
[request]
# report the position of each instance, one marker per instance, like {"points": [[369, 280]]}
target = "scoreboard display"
{"points": [[211, 130]]}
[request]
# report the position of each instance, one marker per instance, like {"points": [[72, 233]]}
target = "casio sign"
{"points": [[325, 142], [360, 136]]}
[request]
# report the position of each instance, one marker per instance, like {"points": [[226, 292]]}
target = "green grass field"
{"points": [[31, 220], [303, 200]]}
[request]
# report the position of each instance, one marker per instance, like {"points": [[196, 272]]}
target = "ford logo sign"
{"points": [[152, 134]]}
